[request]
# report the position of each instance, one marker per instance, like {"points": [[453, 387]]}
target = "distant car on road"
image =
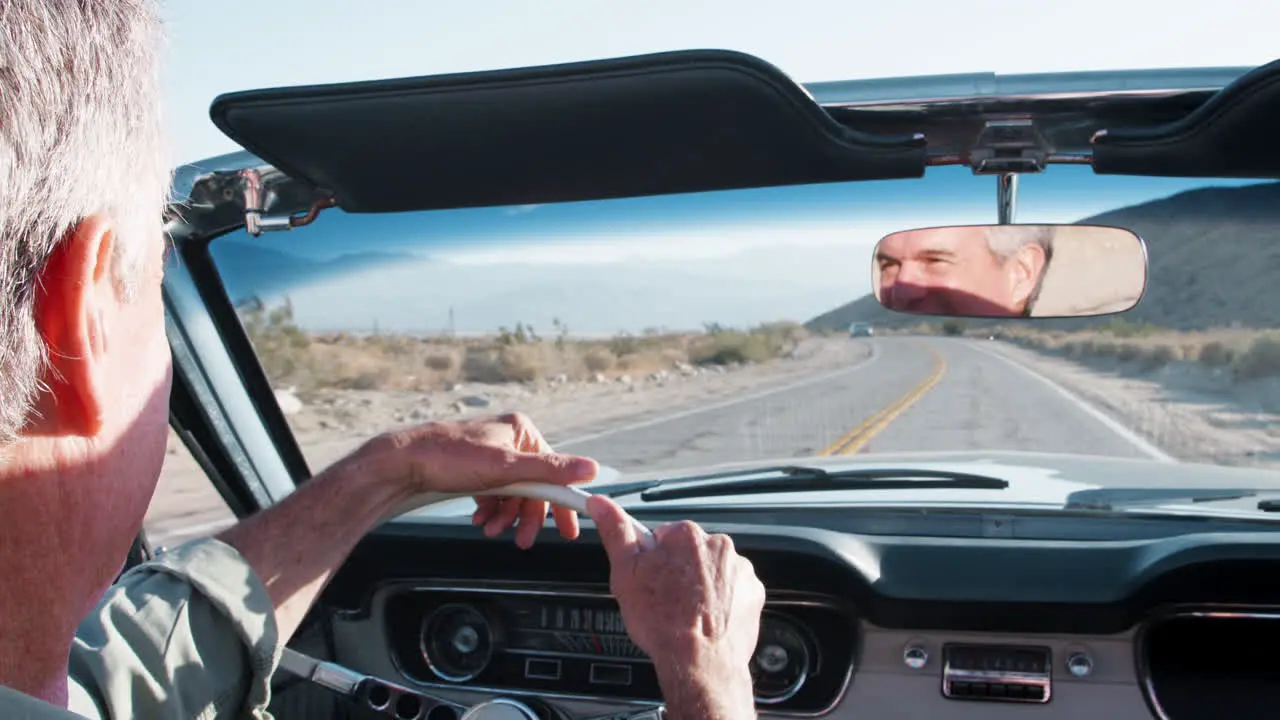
{"points": [[860, 330]]}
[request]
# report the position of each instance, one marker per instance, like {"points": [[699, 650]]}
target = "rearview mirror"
{"points": [[987, 271]]}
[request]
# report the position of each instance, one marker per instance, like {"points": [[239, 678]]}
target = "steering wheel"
{"points": [[562, 495]]}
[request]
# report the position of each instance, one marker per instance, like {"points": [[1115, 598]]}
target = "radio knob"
{"points": [[915, 657], [1080, 664]]}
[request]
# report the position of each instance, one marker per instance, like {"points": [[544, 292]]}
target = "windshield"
{"points": [[673, 333]]}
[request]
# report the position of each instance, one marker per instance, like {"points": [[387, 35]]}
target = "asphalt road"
{"points": [[911, 394]]}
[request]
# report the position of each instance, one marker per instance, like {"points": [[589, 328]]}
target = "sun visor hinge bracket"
{"points": [[1009, 146], [258, 198]]}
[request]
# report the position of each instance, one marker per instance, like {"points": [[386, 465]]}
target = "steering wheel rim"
{"points": [[565, 496]]}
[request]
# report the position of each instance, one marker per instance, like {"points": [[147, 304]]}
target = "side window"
{"points": [[185, 504]]}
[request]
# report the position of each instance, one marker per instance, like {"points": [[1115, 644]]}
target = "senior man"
{"points": [[969, 271], [84, 388]]}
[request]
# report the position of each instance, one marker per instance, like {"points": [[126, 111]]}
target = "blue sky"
{"points": [[753, 255]]}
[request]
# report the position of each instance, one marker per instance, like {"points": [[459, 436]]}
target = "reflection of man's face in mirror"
{"points": [[968, 271]]}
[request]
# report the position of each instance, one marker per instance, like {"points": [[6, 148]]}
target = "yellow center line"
{"points": [[857, 438]]}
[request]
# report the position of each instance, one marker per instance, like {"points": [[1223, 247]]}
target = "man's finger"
{"points": [[506, 467], [533, 514], [617, 533], [566, 521], [504, 518], [486, 506]]}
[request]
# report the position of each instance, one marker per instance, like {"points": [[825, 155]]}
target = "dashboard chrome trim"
{"points": [[596, 591], [1173, 612]]}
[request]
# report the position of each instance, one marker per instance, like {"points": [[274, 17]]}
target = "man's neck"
{"points": [[41, 604], [33, 658], [54, 557], [55, 694]]}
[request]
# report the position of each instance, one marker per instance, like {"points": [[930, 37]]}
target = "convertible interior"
{"points": [[940, 614]]}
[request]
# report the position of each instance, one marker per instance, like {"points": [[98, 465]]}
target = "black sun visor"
{"points": [[655, 124], [1236, 133]]}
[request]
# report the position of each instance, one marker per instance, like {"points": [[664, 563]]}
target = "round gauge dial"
{"points": [[457, 642], [782, 660]]}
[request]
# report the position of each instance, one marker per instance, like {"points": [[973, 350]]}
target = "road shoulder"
{"points": [[1183, 425]]}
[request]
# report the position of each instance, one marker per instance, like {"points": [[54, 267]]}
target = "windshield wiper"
{"points": [[800, 478], [1126, 498]]}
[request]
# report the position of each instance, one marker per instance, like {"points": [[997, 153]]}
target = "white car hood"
{"points": [[1036, 480]]}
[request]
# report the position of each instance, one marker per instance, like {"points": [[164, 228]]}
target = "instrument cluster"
{"points": [[572, 642]]}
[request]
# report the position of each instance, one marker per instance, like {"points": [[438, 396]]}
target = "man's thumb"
{"points": [[617, 533]]}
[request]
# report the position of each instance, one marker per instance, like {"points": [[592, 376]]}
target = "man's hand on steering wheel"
{"points": [[473, 455]]}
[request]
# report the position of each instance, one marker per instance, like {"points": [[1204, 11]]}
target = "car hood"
{"points": [[1036, 480]]}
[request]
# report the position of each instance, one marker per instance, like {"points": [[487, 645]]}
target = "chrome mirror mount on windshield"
{"points": [[987, 271]]}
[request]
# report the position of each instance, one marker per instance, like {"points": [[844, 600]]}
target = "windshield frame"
{"points": [[214, 357], [212, 351]]}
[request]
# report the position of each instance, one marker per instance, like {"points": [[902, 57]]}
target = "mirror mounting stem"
{"points": [[256, 200], [1006, 197]]}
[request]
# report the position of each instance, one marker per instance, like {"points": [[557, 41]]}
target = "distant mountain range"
{"points": [[250, 269], [401, 292], [1213, 261]]}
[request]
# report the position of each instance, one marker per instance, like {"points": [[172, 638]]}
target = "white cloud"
{"points": [[681, 244], [520, 209]]}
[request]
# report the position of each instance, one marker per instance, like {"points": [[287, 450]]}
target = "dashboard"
{"points": [[569, 641], [855, 626]]}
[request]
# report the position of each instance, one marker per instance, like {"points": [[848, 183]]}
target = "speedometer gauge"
{"points": [[782, 660], [457, 642]]}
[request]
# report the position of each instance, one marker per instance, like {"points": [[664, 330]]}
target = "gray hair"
{"points": [[1004, 240], [80, 134]]}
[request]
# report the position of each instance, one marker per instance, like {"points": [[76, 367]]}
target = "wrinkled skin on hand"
{"points": [[472, 455], [690, 602]]}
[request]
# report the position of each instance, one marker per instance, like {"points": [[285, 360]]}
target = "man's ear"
{"points": [[75, 304], [1027, 265]]}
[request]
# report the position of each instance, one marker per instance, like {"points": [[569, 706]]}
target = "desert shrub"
{"points": [[624, 344], [599, 359], [480, 364], [366, 380], [1123, 328], [1158, 356], [1216, 354], [282, 347], [441, 362], [1262, 359], [503, 363], [727, 347], [1128, 352], [520, 364], [953, 326], [1077, 349]]}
